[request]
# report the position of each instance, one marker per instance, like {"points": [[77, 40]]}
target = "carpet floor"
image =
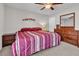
{"points": [[64, 49]]}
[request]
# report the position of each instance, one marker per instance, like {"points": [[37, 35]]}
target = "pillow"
{"points": [[26, 29], [31, 29], [36, 28]]}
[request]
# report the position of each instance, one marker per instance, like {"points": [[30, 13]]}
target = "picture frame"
{"points": [[67, 20]]}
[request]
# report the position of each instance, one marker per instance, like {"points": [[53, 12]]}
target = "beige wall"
{"points": [[1, 23], [13, 19], [66, 11]]}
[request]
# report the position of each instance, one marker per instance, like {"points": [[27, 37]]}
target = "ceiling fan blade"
{"points": [[56, 3], [51, 8], [42, 8], [40, 3]]}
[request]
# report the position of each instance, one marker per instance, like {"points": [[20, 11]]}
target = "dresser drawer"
{"points": [[7, 42], [72, 37], [74, 42], [8, 39]]}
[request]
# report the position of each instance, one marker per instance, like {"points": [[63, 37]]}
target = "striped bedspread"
{"points": [[30, 42]]}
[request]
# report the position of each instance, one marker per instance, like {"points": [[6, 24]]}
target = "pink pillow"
{"points": [[31, 29], [36, 28]]}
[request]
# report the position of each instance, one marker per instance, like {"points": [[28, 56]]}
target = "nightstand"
{"points": [[8, 39]]}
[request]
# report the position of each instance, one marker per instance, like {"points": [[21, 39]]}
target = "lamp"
{"points": [[48, 6], [43, 26]]}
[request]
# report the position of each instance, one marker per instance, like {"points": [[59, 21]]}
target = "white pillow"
{"points": [[31, 24]]}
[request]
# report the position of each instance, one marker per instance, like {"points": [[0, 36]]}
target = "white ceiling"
{"points": [[36, 8]]}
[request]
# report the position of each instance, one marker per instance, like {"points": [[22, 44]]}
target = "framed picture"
{"points": [[67, 20]]}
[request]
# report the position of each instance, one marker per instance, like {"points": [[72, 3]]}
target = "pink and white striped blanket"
{"points": [[29, 42]]}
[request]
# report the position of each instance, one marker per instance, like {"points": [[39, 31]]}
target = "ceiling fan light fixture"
{"points": [[48, 6]]}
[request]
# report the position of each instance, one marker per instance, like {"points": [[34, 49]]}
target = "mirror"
{"points": [[67, 20]]}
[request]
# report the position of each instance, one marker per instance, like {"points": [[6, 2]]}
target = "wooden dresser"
{"points": [[69, 35], [8, 39]]}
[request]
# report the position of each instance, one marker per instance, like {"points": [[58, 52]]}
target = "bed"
{"points": [[29, 41]]}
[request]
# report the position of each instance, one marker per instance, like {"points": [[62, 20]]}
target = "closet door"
{"points": [[51, 24]]}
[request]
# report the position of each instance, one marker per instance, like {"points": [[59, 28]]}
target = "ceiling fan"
{"points": [[48, 5]]}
